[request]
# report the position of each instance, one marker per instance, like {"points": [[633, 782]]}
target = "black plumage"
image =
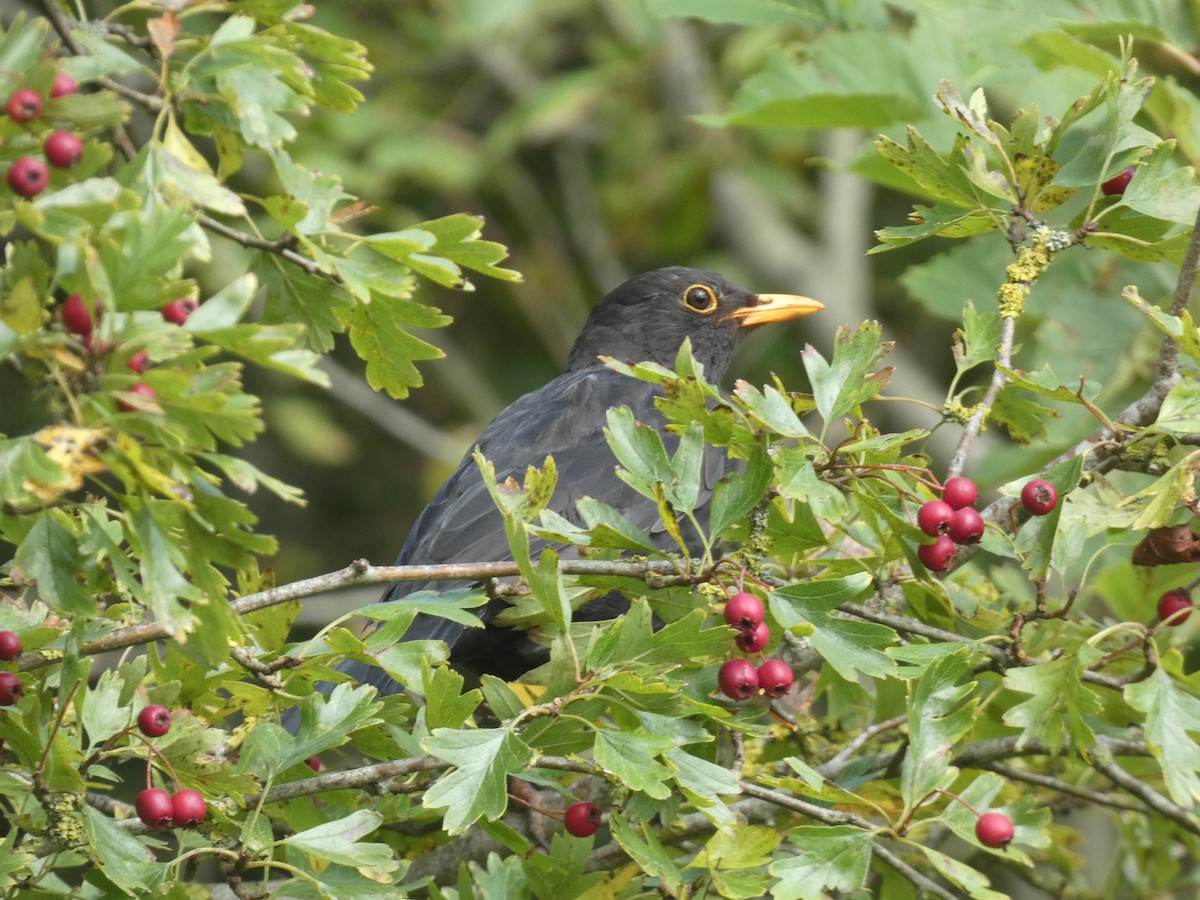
{"points": [[646, 319]]}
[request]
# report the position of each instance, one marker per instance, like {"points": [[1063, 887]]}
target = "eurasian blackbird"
{"points": [[646, 319]]}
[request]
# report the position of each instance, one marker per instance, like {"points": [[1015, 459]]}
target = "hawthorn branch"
{"points": [[1104, 764], [656, 573]]}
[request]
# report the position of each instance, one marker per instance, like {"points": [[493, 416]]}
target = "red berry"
{"points": [[154, 720], [755, 640], [64, 84], [994, 830], [775, 677], [76, 316], [12, 689], [1116, 185], [142, 390], [966, 526], [582, 819], [24, 105], [154, 807], [744, 611], [28, 177], [63, 149], [1039, 497], [1170, 603], [10, 646], [938, 556], [738, 680], [959, 492], [188, 808], [139, 362], [934, 517], [314, 763], [177, 311]]}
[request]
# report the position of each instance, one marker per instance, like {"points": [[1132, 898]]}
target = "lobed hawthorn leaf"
{"points": [[1172, 720], [940, 711], [119, 856], [339, 842], [644, 848], [825, 859], [848, 381], [378, 335], [979, 338], [974, 882], [560, 873], [632, 758], [1059, 702], [294, 295], [847, 645], [477, 786], [49, 556]]}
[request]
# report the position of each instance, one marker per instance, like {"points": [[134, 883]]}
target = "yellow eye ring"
{"points": [[699, 298]]}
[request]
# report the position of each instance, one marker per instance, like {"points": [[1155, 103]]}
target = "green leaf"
{"points": [[974, 882], [326, 721], [744, 847], [277, 347], [119, 856], [940, 712], [640, 451], [827, 858], [1180, 411], [609, 528], [49, 556], [478, 785], [744, 12], [446, 706], [848, 645], [843, 385], [798, 481], [701, 777], [841, 84], [631, 757], [389, 350], [978, 340], [1172, 727], [643, 847], [1059, 701], [1171, 195], [1022, 418], [772, 407], [739, 492], [338, 842], [165, 171], [101, 711], [26, 470]]}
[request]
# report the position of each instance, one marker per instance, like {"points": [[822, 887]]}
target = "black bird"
{"points": [[646, 319]]}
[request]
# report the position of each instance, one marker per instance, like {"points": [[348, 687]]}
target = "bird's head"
{"points": [[648, 317]]}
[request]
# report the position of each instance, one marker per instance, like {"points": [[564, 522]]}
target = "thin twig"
{"points": [[1008, 326], [1152, 798], [1063, 787]]}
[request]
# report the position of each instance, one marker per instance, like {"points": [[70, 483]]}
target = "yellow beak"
{"points": [[775, 308]]}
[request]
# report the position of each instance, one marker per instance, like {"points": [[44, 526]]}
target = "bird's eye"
{"points": [[701, 299]]}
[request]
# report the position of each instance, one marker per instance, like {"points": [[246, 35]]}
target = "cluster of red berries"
{"points": [[77, 317], [12, 689], [951, 521], [738, 679], [28, 175], [156, 807]]}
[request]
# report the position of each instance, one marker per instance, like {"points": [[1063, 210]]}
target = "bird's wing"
{"points": [[564, 419]]}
